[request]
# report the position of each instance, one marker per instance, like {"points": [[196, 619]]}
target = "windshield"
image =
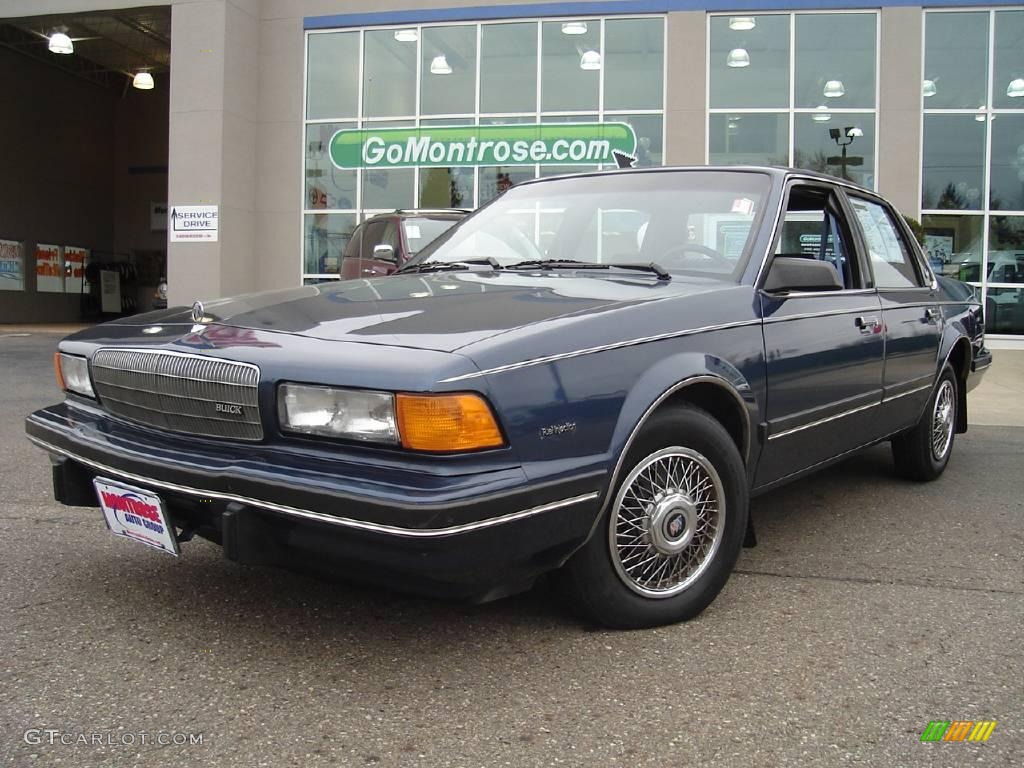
{"points": [[421, 231], [699, 222]]}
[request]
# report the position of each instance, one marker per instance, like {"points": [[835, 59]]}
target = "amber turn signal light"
{"points": [[58, 372], [447, 423]]}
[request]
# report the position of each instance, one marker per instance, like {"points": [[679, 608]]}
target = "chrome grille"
{"points": [[180, 392]]}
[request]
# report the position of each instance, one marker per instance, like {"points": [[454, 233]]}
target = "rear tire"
{"points": [[923, 452], [666, 544]]}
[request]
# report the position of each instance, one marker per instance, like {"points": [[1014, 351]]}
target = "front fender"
{"points": [[672, 376]]}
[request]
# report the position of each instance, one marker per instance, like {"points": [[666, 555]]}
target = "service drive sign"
{"points": [[193, 223]]}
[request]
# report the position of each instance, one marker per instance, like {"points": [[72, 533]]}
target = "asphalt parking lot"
{"points": [[870, 607]]}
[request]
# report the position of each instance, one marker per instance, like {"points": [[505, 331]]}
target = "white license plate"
{"points": [[136, 514]]}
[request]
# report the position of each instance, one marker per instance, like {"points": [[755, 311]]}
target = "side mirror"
{"points": [[385, 252], [791, 273]]}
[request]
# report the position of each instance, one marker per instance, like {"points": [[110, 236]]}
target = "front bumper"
{"points": [[473, 535], [981, 362]]}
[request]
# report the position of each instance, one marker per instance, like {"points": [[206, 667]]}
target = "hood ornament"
{"points": [[198, 312]]}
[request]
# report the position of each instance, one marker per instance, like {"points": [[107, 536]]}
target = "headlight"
{"points": [[73, 374], [351, 414], [440, 423]]}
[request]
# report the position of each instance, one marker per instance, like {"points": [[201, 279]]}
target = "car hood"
{"points": [[440, 311]]}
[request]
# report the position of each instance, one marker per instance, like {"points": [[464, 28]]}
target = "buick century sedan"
{"points": [[588, 377]]}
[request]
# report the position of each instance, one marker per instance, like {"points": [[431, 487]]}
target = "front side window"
{"points": [[812, 229], [891, 260], [699, 223]]}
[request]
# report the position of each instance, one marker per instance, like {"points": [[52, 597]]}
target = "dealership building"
{"points": [[232, 146]]}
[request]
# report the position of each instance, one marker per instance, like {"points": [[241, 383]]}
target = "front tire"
{"points": [[667, 542], [923, 452]]}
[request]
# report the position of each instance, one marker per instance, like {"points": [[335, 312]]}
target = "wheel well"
{"points": [[960, 359], [718, 401]]}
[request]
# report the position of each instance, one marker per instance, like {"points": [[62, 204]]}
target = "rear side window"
{"points": [[891, 260]]}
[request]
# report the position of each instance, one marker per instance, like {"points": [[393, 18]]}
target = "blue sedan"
{"points": [[590, 376]]}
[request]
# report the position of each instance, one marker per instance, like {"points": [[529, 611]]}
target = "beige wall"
{"points": [[899, 108]]}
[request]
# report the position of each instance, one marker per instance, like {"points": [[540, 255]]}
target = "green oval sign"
{"points": [[469, 145]]}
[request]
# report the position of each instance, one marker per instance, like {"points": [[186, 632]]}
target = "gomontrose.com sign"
{"points": [[467, 145]]}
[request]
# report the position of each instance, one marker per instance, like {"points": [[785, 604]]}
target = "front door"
{"points": [[824, 350]]}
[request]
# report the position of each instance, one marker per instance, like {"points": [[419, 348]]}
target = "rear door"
{"points": [[911, 312], [824, 349]]}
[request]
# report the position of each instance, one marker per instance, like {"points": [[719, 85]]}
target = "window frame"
{"points": [[791, 111]]}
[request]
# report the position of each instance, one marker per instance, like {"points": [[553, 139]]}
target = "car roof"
{"points": [[777, 172], [422, 213]]}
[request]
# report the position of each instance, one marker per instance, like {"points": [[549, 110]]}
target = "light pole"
{"points": [[843, 138]]}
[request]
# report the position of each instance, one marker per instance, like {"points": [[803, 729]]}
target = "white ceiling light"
{"points": [[143, 81], [440, 66], [980, 116], [738, 57], [742, 23], [834, 89], [407, 35], [61, 43], [928, 88], [574, 28], [1016, 88], [822, 115], [590, 60]]}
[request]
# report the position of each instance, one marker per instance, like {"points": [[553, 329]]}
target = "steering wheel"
{"points": [[719, 258]]}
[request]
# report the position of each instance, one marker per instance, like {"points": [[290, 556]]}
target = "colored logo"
{"points": [[958, 730], [469, 145]]}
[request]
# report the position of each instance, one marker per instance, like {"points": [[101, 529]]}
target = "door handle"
{"points": [[931, 315], [867, 324]]}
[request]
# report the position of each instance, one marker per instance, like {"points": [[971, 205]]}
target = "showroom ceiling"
{"points": [[110, 47]]}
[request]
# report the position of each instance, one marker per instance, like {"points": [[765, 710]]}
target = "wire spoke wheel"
{"points": [[942, 420], [668, 522]]}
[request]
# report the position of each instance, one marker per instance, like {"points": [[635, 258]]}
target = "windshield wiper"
{"points": [[442, 266], [574, 264]]}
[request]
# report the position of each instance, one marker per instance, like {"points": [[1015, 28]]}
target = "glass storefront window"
{"points": [[332, 79], [650, 140], [814, 147], [389, 74], [955, 245], [749, 65], [508, 68], [570, 66], [1004, 310], [448, 70], [749, 139], [634, 51], [954, 162], [1006, 183], [1006, 249], [975, 61], [1008, 61], [544, 71], [955, 60], [835, 60], [325, 238], [327, 186]]}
